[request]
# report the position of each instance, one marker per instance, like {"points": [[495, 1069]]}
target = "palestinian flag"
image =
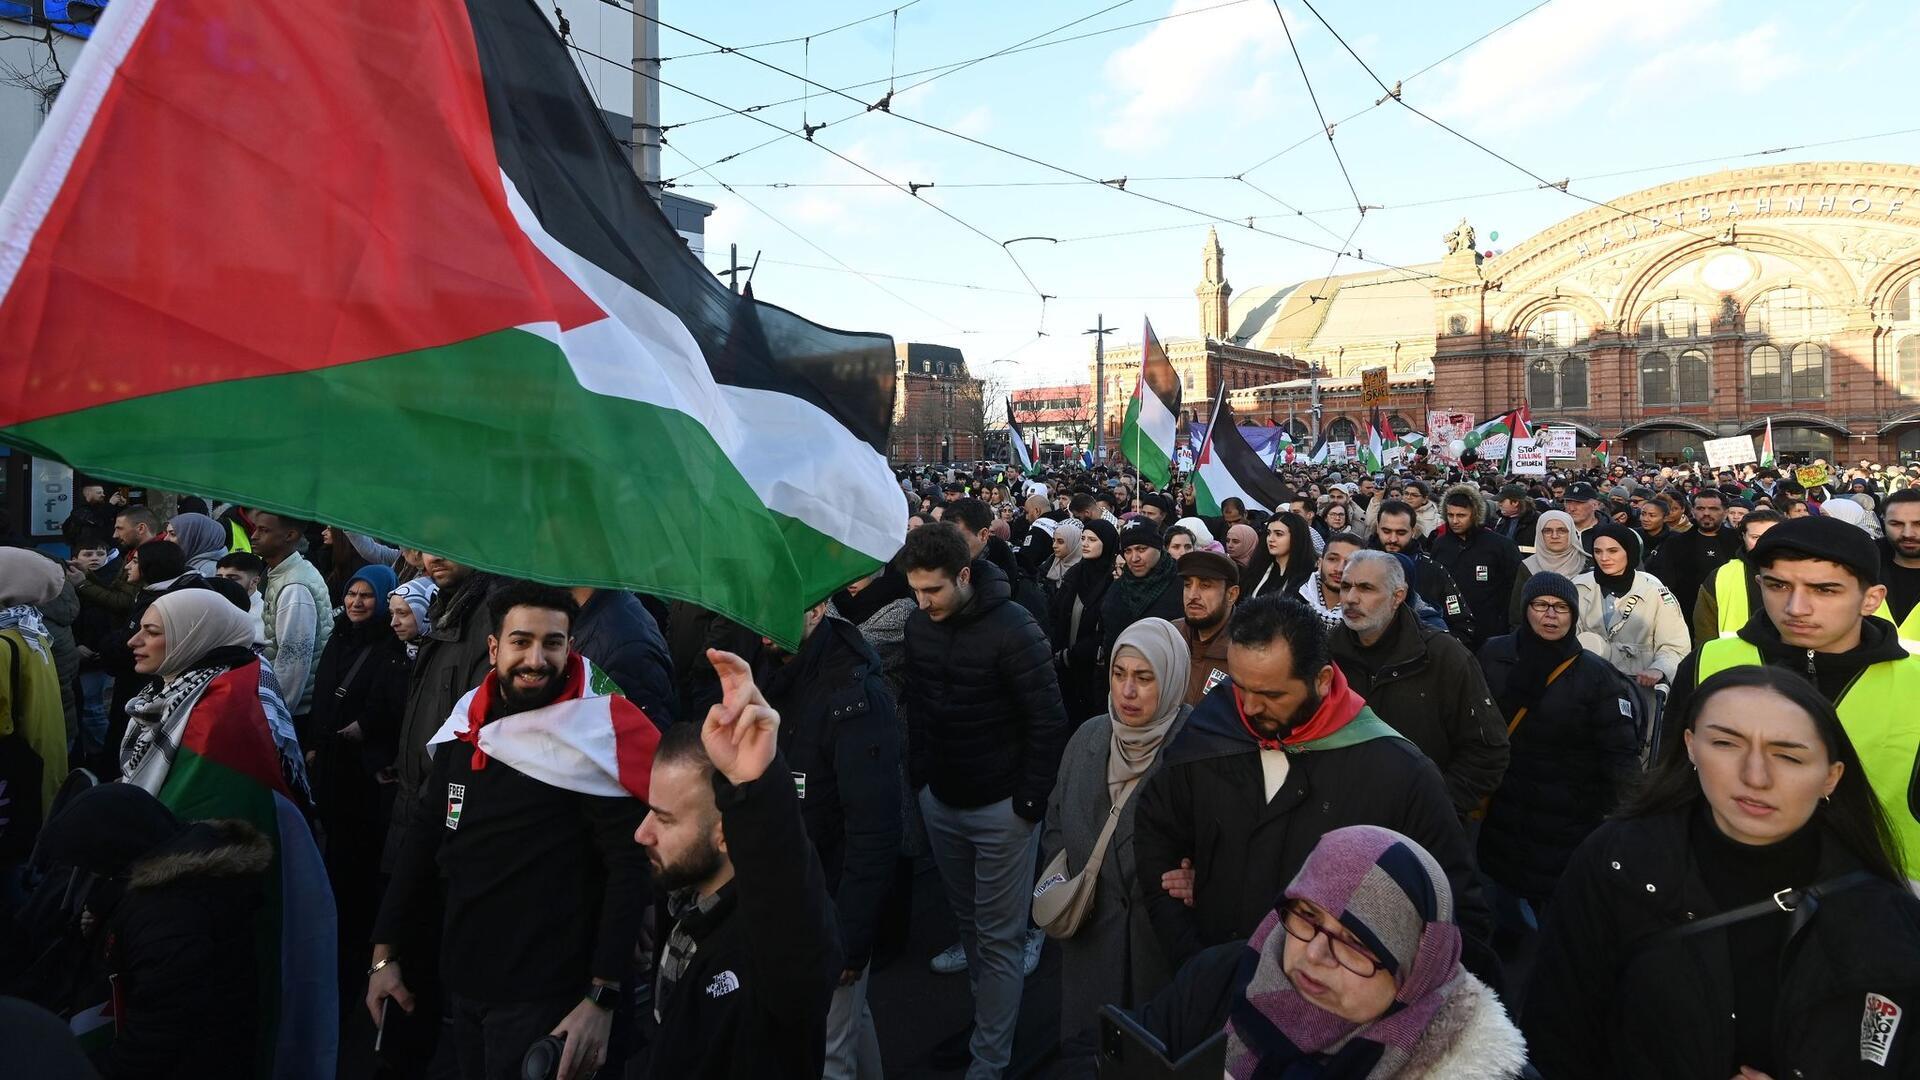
{"points": [[1017, 442], [1153, 414], [1414, 440], [1521, 430], [591, 740], [226, 766], [1766, 446], [385, 266], [1498, 428], [1604, 452], [1228, 467], [1320, 451], [1373, 452], [1283, 448]]}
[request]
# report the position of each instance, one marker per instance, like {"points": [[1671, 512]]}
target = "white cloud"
{"points": [[1187, 63], [1629, 53], [976, 123]]}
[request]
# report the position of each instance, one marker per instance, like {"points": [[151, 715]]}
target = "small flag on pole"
{"points": [[1017, 442], [1766, 445], [1152, 422]]}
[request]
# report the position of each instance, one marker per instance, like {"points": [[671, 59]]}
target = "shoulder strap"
{"points": [[353, 669], [1800, 903], [1098, 854], [1521, 713], [1624, 609]]}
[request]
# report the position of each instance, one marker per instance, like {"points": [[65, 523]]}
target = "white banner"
{"points": [[1495, 448], [1529, 458], [1726, 453], [1339, 451], [1558, 442]]}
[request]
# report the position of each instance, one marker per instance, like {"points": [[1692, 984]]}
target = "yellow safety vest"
{"points": [[238, 538], [1730, 596], [1881, 720]]}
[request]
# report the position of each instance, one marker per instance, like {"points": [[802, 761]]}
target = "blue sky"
{"points": [[1574, 89]]}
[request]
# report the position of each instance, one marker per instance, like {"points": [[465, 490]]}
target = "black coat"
{"points": [[1483, 565], [181, 944], [985, 718], [1688, 560], [1605, 1002], [451, 661], [1573, 756], [1082, 673], [1426, 685], [752, 1002], [1119, 609], [841, 740], [620, 636], [1206, 804], [1522, 529]]}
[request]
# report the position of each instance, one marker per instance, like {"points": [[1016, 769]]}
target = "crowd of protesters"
{"points": [[1436, 771]]}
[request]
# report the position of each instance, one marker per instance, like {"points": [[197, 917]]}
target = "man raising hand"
{"points": [[749, 969]]}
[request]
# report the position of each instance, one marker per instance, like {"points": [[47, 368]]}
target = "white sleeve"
{"points": [[296, 623]]}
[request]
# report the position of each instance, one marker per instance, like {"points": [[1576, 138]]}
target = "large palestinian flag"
{"points": [[1228, 467], [1153, 414], [383, 265]]}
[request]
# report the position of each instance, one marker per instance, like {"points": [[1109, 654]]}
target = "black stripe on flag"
{"points": [[553, 142], [1158, 371], [1243, 463]]}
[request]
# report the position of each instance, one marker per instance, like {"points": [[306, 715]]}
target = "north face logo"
{"points": [[723, 984]]}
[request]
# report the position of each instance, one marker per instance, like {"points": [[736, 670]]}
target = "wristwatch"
{"points": [[605, 997]]}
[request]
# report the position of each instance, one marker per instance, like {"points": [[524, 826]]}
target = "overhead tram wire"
{"points": [[937, 208], [1241, 223], [893, 11], [797, 235], [1030, 44], [1562, 185], [1367, 109], [1358, 203]]}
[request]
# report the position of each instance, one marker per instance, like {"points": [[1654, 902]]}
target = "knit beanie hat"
{"points": [[378, 578], [1821, 538], [1548, 583]]}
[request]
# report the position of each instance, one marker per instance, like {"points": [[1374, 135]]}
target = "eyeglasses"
{"points": [[1549, 607], [1301, 927]]}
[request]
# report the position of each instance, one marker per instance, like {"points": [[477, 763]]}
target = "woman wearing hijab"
{"points": [[407, 611], [1203, 539], [1626, 614], [1354, 974], [202, 539], [1575, 751], [1556, 550], [33, 729], [1285, 561], [1745, 915], [1076, 625], [1112, 957], [158, 567], [1066, 556], [1242, 542], [359, 699]]}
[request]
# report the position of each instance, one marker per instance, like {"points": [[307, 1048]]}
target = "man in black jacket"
{"points": [[975, 520], [1481, 562], [1688, 560], [986, 729], [1518, 518], [752, 957], [841, 741], [1418, 679], [1272, 760], [620, 636], [544, 893], [1394, 533]]}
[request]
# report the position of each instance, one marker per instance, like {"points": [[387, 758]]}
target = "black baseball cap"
{"points": [[1582, 491]]}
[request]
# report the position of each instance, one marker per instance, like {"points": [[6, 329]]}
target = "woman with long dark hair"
{"points": [[1746, 915], [1284, 561]]}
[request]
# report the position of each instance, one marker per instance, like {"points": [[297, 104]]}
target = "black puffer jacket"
{"points": [[985, 719], [1156, 595], [452, 660], [1431, 582], [620, 636], [841, 740], [1606, 1002], [1426, 685], [1573, 757]]}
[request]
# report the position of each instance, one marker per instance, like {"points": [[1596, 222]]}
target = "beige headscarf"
{"points": [[28, 577], [1164, 649], [196, 622]]}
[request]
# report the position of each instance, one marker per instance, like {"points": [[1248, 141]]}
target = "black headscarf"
{"points": [[1538, 657], [1090, 578], [1629, 541]]}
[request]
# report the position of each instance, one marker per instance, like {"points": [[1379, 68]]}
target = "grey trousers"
{"points": [[853, 1046], [985, 856]]}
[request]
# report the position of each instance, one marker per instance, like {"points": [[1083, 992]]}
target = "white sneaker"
{"points": [[1035, 939], [952, 961]]}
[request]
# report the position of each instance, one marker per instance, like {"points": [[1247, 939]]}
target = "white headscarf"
{"points": [[1570, 563], [1851, 512], [1069, 531], [1202, 536], [196, 622]]}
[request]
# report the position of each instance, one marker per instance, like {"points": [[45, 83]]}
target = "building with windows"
{"points": [[1060, 418], [1689, 311], [1203, 363], [937, 407]]}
